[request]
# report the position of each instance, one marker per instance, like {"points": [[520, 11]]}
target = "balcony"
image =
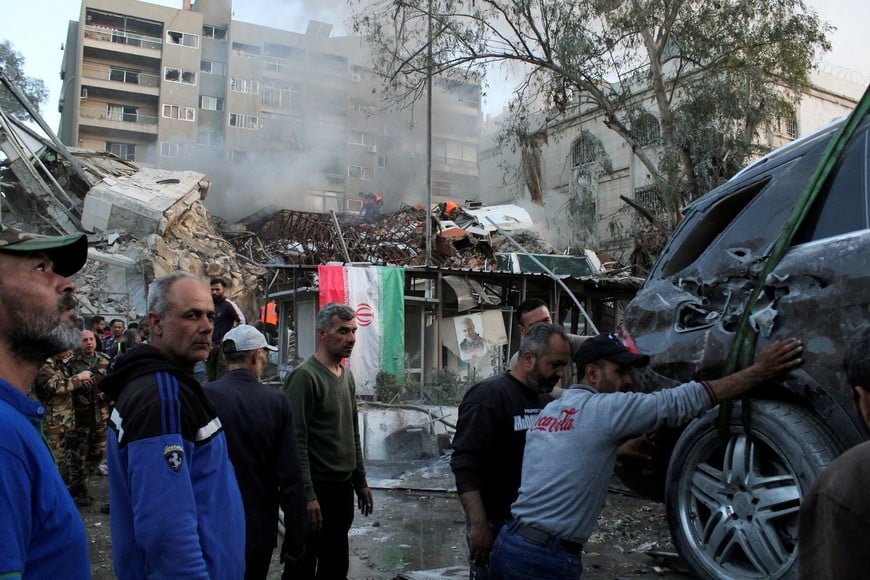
{"points": [[115, 40], [118, 121], [120, 80]]}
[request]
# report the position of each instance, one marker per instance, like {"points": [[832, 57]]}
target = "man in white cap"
{"points": [[41, 532], [263, 447]]}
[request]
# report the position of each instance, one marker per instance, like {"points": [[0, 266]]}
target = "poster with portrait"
{"points": [[469, 333]]}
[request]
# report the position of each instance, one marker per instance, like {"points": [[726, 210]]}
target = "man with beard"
{"points": [[91, 411], [494, 416], [322, 394], [571, 450], [176, 510], [114, 344], [41, 533]]}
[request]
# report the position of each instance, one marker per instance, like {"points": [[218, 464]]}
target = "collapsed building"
{"points": [[470, 270]]}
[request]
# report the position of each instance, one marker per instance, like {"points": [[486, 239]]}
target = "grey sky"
{"points": [[38, 28]]}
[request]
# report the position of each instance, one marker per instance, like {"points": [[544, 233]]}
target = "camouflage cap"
{"points": [[68, 253]]}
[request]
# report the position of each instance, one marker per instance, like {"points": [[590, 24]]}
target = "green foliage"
{"points": [[388, 389], [443, 387], [12, 64], [715, 73]]}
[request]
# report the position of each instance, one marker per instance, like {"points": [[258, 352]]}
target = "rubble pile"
{"points": [[397, 238]]}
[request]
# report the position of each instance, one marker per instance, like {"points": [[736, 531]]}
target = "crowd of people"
{"points": [[197, 473]]}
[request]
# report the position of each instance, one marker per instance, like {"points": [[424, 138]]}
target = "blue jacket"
{"points": [[41, 532], [176, 507]]}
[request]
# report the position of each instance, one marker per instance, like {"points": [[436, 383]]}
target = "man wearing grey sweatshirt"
{"points": [[571, 450]]}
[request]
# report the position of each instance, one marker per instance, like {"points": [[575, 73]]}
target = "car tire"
{"points": [[733, 502]]}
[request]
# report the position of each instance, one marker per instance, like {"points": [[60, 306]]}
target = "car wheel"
{"points": [[733, 502]]}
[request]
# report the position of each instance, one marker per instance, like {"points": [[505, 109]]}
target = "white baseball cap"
{"points": [[246, 337]]}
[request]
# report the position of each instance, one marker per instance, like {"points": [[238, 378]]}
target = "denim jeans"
{"points": [[515, 558]]}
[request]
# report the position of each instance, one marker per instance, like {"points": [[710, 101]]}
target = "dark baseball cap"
{"points": [[68, 253], [608, 347]]}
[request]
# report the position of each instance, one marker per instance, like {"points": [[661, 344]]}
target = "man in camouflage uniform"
{"points": [[91, 410], [55, 386]]}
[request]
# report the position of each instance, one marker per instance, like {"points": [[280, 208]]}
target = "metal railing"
{"points": [[122, 37], [117, 74], [121, 117]]}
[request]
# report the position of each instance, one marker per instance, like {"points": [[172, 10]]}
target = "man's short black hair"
{"points": [[527, 306], [220, 281], [95, 320], [114, 320]]}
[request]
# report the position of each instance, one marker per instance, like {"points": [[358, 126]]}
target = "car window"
{"points": [[693, 241], [842, 204]]}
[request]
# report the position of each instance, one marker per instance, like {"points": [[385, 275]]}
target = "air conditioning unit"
{"points": [[372, 148], [84, 92], [355, 77]]}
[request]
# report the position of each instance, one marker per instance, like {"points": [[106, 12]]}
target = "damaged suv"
{"points": [[734, 479]]}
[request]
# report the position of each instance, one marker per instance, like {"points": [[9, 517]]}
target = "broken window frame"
{"points": [[214, 32], [174, 74], [179, 112], [179, 38]]}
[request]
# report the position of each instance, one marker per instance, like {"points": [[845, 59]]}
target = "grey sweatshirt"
{"points": [[571, 450]]}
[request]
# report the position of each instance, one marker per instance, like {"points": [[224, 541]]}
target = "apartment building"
{"points": [[275, 118]]}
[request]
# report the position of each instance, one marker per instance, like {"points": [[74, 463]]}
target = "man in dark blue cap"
{"points": [[41, 532], [571, 450]]}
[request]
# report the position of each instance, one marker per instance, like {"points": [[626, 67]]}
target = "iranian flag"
{"points": [[376, 293]]}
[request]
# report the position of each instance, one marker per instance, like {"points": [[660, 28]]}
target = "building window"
{"points": [[357, 138], [646, 130], [176, 75], [211, 103], [359, 172], [179, 112], [441, 188], [123, 150], [124, 113], [208, 138], [123, 75], [246, 50], [650, 199], [216, 32], [245, 86], [788, 126], [213, 67], [584, 151], [168, 149], [182, 38], [243, 121], [382, 162], [240, 157]]}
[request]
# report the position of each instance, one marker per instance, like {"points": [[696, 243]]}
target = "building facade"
{"points": [[275, 118], [567, 164]]}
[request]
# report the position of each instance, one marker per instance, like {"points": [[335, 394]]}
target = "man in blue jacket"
{"points": [[41, 533], [176, 510], [263, 448]]}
